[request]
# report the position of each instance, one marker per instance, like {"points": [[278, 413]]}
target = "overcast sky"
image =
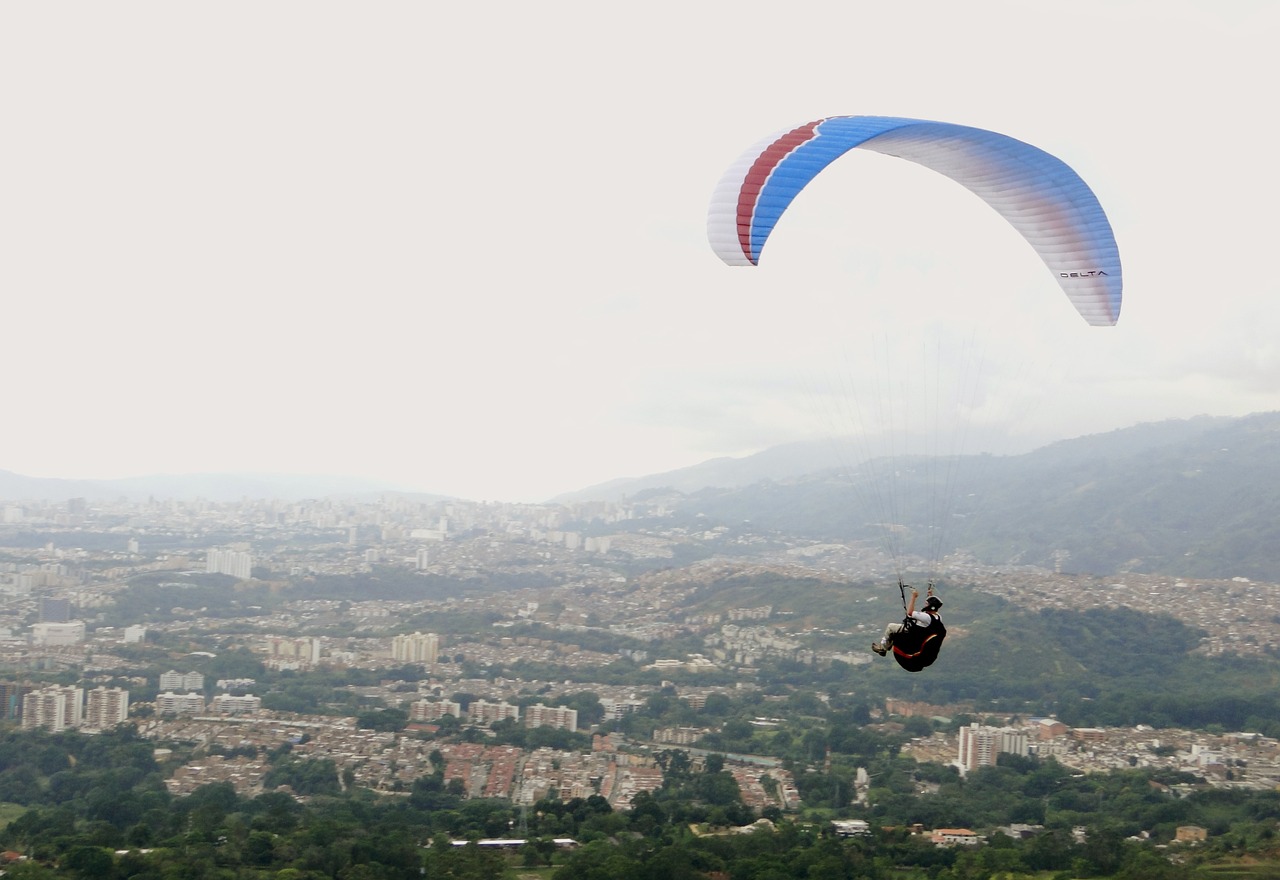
{"points": [[462, 248]]}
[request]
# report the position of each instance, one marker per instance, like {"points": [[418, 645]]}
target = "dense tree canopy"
{"points": [[82, 799]]}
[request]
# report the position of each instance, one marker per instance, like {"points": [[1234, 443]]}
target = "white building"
{"points": [[233, 562], [55, 634], [134, 634], [484, 712], [852, 827], [615, 709], [236, 684], [226, 704], [680, 736], [416, 648], [980, 745], [559, 717], [181, 681], [105, 708], [954, 837], [433, 710], [305, 650], [169, 703], [54, 708]]}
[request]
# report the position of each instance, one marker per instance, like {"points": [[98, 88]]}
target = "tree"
{"points": [[88, 862], [717, 705], [259, 848], [389, 720], [917, 726]]}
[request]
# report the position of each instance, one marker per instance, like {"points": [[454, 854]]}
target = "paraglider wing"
{"points": [[1039, 194]]}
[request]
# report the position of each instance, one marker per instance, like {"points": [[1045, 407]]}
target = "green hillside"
{"points": [[1196, 499], [1101, 667]]}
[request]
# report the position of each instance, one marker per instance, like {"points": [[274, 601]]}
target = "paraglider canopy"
{"points": [[1039, 194]]}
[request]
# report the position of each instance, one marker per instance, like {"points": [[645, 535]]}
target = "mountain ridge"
{"points": [[806, 457], [211, 487], [1199, 498]]}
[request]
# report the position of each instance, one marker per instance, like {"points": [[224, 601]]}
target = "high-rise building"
{"points": [[11, 695], [54, 708], [303, 649], [54, 610], [559, 717], [105, 708], [227, 704], [181, 681], [484, 712], [979, 745], [233, 562], [169, 703], [416, 648], [433, 710]]}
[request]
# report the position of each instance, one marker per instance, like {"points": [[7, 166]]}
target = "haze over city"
{"points": [[465, 252], [397, 482]]}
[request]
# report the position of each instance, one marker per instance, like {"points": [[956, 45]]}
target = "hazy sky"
{"points": [[461, 247]]}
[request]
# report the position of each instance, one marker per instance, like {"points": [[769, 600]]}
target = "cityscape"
{"points": [[458, 441], [57, 598]]}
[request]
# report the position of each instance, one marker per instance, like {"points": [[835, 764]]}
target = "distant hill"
{"points": [[214, 487], [1197, 497], [794, 460], [1079, 665], [776, 463], [1193, 497]]}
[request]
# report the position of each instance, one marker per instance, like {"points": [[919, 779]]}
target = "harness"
{"points": [[917, 646]]}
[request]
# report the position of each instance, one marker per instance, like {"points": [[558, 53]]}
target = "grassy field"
{"points": [[515, 872], [9, 812], [1243, 870]]}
